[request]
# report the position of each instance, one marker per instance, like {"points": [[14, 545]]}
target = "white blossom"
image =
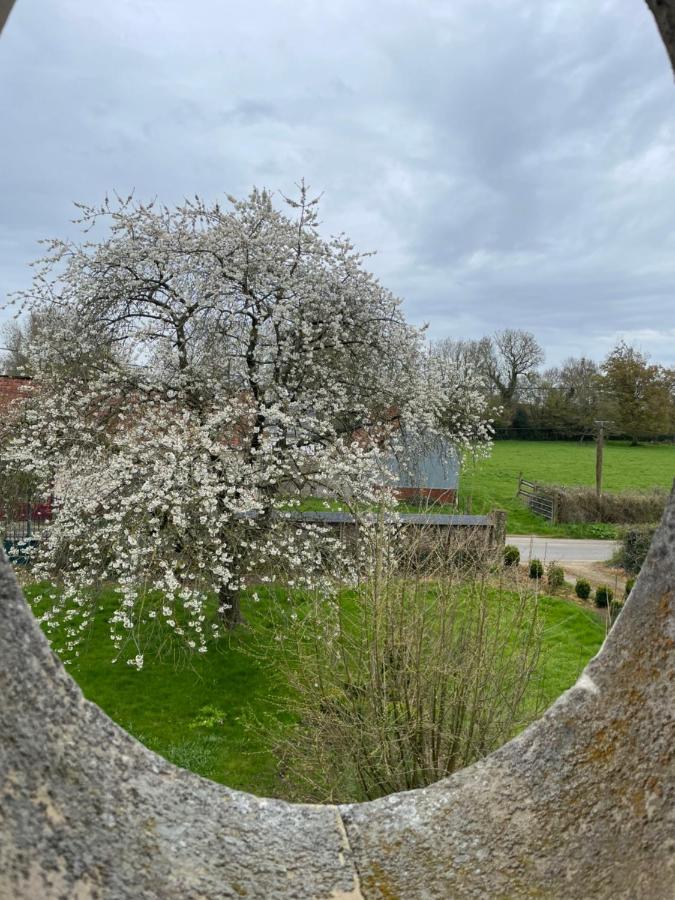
{"points": [[203, 365]]}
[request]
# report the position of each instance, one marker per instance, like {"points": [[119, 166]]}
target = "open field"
{"points": [[493, 483], [196, 714]]}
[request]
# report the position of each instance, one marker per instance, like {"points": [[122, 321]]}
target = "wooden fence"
{"points": [[538, 499]]}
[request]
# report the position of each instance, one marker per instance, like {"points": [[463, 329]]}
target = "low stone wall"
{"points": [[580, 805], [490, 530]]}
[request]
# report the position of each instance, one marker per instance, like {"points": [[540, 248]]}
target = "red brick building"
{"points": [[12, 387]]}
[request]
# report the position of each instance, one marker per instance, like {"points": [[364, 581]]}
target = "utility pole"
{"points": [[599, 448]]}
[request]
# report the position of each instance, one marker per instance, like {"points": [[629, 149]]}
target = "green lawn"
{"points": [[160, 703], [493, 482], [572, 636], [195, 715]]}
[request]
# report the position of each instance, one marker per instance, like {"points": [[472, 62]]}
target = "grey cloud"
{"points": [[512, 164], [250, 112]]}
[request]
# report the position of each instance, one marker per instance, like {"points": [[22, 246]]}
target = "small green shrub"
{"points": [[582, 589], [615, 608], [536, 568], [635, 544], [511, 555], [603, 595], [555, 576], [630, 583]]}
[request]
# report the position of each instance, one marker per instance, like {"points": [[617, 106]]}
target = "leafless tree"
{"points": [[571, 395], [505, 359], [512, 355], [467, 353]]}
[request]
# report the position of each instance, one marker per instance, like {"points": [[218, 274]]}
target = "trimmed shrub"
{"points": [[555, 576], [536, 568], [603, 596], [582, 589], [511, 555], [630, 583], [580, 504], [635, 545]]}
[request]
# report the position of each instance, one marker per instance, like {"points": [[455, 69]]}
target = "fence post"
{"points": [[520, 483], [497, 527], [29, 517]]}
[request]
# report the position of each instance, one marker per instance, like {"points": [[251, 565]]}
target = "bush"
{"points": [[615, 608], [580, 504], [630, 583], [603, 595], [635, 545], [582, 589], [462, 559], [511, 555], [536, 568], [555, 576], [408, 680]]}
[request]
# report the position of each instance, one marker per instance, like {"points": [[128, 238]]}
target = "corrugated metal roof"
{"points": [[426, 463]]}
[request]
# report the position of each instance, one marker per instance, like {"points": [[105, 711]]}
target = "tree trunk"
{"points": [[229, 608]]}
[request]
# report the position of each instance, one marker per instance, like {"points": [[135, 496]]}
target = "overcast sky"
{"points": [[512, 162]]}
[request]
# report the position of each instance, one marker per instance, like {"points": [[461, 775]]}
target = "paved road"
{"points": [[562, 549]]}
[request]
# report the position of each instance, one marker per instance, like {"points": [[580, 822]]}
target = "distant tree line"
{"points": [[634, 397]]}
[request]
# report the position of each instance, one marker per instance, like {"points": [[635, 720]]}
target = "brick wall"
{"points": [[11, 388], [433, 495]]}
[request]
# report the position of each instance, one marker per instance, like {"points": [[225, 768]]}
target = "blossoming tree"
{"points": [[203, 366]]}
